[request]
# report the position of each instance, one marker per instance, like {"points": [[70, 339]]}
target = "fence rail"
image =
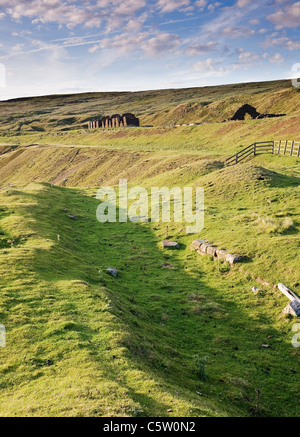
{"points": [[291, 148]]}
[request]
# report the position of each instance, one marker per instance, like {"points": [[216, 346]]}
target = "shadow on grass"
{"points": [[152, 311]]}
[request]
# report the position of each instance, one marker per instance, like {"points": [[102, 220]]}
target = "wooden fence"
{"points": [[291, 148]]}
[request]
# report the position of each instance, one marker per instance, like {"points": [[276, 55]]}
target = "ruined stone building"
{"points": [[248, 109], [113, 121]]}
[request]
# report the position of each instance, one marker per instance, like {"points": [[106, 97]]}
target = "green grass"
{"points": [[64, 113], [83, 343], [153, 341]]}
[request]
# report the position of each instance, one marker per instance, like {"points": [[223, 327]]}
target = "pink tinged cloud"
{"points": [[166, 6], [287, 17]]}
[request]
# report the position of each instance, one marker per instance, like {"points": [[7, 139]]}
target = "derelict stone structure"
{"points": [[248, 109], [113, 121]]}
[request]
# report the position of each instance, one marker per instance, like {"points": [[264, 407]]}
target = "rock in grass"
{"points": [[196, 244], [255, 290], [72, 217], [212, 250], [233, 259], [204, 246], [293, 308], [168, 266], [221, 254], [170, 244], [112, 272]]}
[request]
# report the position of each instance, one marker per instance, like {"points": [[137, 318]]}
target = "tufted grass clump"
{"points": [[273, 225], [200, 363]]}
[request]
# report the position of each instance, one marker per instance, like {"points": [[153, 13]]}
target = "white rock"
{"points": [[112, 272], [170, 244]]}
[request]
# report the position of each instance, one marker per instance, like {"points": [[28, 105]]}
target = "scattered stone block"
{"points": [[233, 259], [170, 244], [212, 250], [168, 266], [221, 254], [196, 244], [72, 217], [112, 272], [288, 293], [255, 290], [204, 247], [293, 308]]}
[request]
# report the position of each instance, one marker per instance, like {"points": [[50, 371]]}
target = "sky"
{"points": [[66, 46]]}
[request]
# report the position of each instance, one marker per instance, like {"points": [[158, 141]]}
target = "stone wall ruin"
{"points": [[113, 121], [254, 114]]}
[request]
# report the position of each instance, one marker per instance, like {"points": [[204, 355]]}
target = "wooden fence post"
{"points": [[292, 147]]}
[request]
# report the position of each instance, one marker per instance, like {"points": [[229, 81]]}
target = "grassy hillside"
{"points": [[157, 108], [175, 334], [83, 343]]}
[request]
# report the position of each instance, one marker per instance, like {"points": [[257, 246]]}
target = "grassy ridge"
{"points": [[157, 108], [129, 346], [155, 341]]}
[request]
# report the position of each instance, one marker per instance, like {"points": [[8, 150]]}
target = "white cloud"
{"points": [[229, 19], [284, 42], [136, 24], [72, 13], [56, 11], [209, 66], [171, 5], [238, 32], [151, 46], [200, 49], [246, 57], [201, 4], [287, 17], [123, 43], [160, 44], [212, 68], [243, 3], [212, 6], [276, 58]]}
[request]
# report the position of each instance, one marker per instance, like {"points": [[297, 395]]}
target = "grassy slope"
{"points": [[158, 108], [59, 361], [127, 347], [118, 350]]}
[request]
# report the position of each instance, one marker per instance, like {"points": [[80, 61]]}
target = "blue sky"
{"points": [[65, 46]]}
